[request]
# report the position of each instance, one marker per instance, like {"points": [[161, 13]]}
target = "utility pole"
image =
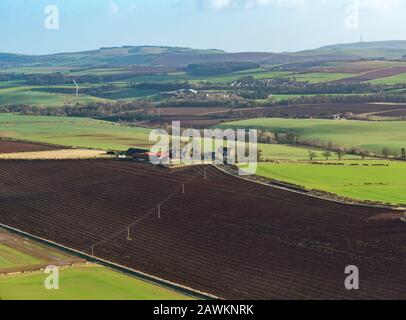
{"points": [[128, 234]]}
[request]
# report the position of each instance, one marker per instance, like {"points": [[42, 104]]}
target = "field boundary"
{"points": [[298, 190], [117, 267]]}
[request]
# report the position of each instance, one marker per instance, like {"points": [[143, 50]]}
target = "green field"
{"points": [[77, 132], [12, 258], [364, 181], [221, 78], [286, 152], [84, 283], [369, 135], [13, 93], [89, 133], [400, 78], [317, 77]]}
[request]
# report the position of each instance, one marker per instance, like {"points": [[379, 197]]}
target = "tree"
{"points": [[363, 154], [259, 156], [386, 153], [312, 155], [327, 154], [403, 154], [340, 154]]}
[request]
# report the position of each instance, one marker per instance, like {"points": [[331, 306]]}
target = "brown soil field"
{"points": [[7, 146], [351, 70], [360, 110], [189, 117], [225, 236], [372, 75], [395, 113], [188, 111], [186, 121]]}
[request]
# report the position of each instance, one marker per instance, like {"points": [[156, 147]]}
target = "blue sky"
{"points": [[232, 25]]}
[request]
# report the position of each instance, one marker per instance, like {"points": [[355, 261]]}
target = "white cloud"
{"points": [[248, 4], [373, 5], [379, 5], [113, 9], [219, 4]]}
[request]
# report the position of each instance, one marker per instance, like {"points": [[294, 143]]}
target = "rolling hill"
{"points": [[152, 55], [180, 57], [395, 49]]}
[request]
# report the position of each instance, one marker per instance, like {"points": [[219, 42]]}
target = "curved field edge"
{"points": [[84, 283], [256, 228], [94, 134], [367, 135], [381, 182]]}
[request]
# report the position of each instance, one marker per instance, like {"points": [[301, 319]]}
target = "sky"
{"points": [[50, 26]]}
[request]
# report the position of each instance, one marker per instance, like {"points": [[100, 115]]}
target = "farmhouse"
{"points": [[137, 154]]}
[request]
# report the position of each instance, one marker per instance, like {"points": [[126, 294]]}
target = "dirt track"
{"points": [[225, 236], [372, 75]]}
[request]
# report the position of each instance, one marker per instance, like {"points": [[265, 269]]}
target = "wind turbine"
{"points": [[77, 88]]}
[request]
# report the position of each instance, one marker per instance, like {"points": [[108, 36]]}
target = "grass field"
{"points": [[317, 77], [400, 78], [364, 181], [286, 152], [12, 258], [221, 78], [77, 132], [88, 133], [12, 93], [84, 283], [369, 135]]}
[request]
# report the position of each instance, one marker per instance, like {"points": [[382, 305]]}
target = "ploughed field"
{"points": [[328, 110], [372, 75], [14, 147], [225, 236]]}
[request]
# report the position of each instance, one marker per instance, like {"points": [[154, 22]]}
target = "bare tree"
{"points": [[327, 154]]}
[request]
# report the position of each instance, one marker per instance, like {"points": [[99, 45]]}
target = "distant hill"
{"points": [[180, 57], [155, 55], [369, 50]]}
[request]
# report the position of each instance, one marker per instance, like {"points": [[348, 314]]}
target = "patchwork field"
{"points": [[75, 132], [327, 111], [317, 77], [80, 282], [369, 135], [398, 78], [84, 283], [225, 236], [377, 75], [100, 135], [378, 181], [18, 254], [12, 94]]}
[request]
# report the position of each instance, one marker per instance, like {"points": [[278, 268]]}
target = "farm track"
{"points": [[226, 236], [372, 75]]}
